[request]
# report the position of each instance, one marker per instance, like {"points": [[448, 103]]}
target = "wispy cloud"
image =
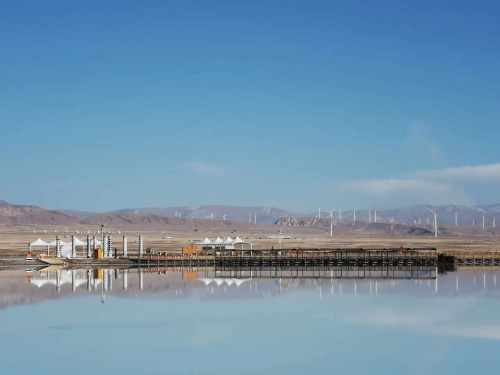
{"points": [[489, 171], [208, 169], [435, 186], [392, 186]]}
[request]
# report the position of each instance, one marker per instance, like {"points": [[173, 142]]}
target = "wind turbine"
{"points": [[435, 222], [319, 212], [354, 217], [375, 215], [223, 217], [340, 214], [456, 218], [369, 216], [494, 222], [483, 221], [331, 222]]}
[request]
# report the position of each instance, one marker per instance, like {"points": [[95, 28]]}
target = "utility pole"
{"points": [[102, 238]]}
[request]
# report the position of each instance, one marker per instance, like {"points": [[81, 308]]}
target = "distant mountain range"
{"points": [[269, 215], [265, 215], [419, 214]]}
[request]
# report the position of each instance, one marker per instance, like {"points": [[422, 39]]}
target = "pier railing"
{"points": [[298, 257]]}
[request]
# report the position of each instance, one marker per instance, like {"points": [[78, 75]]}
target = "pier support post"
{"points": [[141, 245], [58, 246], [125, 247], [94, 243]]}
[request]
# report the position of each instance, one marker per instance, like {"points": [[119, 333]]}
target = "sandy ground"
{"points": [[14, 240]]}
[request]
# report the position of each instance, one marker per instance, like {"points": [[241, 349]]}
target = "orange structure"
{"points": [[189, 250]]}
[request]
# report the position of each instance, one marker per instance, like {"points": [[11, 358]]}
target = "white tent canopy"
{"points": [[39, 242], [227, 241], [217, 241], [54, 243], [206, 241], [79, 242], [238, 240]]}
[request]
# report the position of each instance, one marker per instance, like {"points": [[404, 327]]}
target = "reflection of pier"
{"points": [[335, 272]]}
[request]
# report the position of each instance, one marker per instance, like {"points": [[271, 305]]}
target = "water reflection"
{"points": [[216, 284], [222, 321]]}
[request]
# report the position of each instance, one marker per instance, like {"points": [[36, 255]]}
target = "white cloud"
{"points": [[409, 191], [434, 186], [489, 171], [209, 169], [392, 186]]}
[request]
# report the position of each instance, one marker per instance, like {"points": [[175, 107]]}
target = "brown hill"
{"points": [[27, 215]]}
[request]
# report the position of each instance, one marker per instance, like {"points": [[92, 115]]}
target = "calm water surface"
{"points": [[109, 322]]}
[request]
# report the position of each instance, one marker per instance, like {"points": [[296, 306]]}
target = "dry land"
{"points": [[14, 240]]}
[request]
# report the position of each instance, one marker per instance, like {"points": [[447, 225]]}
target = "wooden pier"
{"points": [[357, 257]]}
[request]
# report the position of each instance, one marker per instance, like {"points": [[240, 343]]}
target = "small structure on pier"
{"points": [[223, 244]]}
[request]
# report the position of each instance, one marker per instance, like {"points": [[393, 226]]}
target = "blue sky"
{"points": [[295, 104]]}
